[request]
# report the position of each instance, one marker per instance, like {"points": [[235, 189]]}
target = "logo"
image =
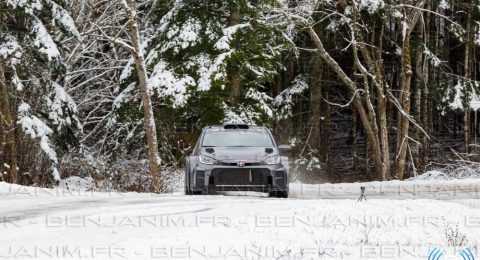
{"points": [[467, 254], [241, 163], [437, 254]]}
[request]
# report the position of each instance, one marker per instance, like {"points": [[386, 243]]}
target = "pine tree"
{"points": [[200, 54], [31, 73]]}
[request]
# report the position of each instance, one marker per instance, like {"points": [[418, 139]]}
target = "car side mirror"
{"points": [[284, 147]]}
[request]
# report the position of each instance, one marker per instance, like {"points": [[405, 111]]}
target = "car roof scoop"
{"points": [[235, 126]]}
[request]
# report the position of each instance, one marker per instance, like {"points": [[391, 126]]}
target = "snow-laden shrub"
{"points": [[432, 175], [453, 170], [75, 183], [88, 173]]}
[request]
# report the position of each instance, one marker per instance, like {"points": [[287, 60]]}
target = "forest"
{"points": [[117, 92]]}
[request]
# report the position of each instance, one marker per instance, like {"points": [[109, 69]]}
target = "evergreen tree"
{"points": [[213, 61], [32, 73]]}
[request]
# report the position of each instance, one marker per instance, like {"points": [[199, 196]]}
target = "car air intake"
{"points": [[239, 176], [200, 179], [235, 126], [268, 150]]}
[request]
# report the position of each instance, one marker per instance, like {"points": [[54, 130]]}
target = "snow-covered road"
{"points": [[314, 224]]}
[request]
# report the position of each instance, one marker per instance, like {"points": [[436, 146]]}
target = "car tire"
{"points": [[278, 194], [187, 191], [282, 194]]}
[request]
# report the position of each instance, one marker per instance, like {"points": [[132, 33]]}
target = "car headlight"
{"points": [[272, 160], [207, 160]]}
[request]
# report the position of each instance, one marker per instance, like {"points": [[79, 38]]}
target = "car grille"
{"points": [[235, 164], [239, 176]]}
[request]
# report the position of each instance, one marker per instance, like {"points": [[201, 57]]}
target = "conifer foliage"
{"points": [[118, 90], [34, 37]]}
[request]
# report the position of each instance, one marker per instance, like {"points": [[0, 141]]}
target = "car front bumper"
{"points": [[208, 179]]}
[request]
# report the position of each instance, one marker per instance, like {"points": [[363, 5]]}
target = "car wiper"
{"points": [[208, 146]]}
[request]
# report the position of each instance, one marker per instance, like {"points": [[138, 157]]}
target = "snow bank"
{"points": [[234, 227]]}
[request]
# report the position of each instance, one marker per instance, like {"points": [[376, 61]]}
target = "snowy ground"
{"points": [[400, 220]]}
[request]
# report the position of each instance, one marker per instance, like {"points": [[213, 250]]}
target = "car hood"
{"points": [[233, 154]]}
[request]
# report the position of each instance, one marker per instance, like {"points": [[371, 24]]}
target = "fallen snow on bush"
{"points": [[451, 173], [432, 175], [75, 183]]}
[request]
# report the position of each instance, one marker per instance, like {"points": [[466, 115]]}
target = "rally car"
{"points": [[237, 157]]}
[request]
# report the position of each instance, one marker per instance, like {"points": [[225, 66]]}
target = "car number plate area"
{"points": [[239, 176]]}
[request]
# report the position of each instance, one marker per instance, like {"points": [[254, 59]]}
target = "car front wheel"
{"points": [[187, 191], [278, 194]]}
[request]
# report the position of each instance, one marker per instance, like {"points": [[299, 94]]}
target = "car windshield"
{"points": [[237, 138]]}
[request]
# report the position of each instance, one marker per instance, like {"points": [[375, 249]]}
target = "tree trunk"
{"points": [[420, 84], [406, 77], [315, 103], [325, 123], [382, 107], [354, 134], [359, 104], [467, 119], [234, 77], [382, 89], [405, 87], [466, 90], [366, 142], [417, 116], [373, 86], [475, 130], [9, 122], [430, 76], [149, 120], [427, 122]]}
